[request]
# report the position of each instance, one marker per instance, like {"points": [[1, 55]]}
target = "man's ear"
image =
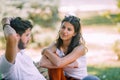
{"points": [[18, 36]]}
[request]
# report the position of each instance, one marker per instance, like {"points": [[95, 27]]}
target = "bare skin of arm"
{"points": [[11, 41], [72, 65], [11, 48], [64, 61], [46, 63]]}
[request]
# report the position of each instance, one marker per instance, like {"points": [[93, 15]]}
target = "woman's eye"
{"points": [[63, 27], [69, 29], [27, 35]]}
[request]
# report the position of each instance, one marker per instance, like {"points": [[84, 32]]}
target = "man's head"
{"points": [[20, 25], [23, 29]]}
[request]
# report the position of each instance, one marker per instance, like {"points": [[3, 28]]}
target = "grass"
{"points": [[109, 70], [0, 76], [105, 71], [97, 20]]}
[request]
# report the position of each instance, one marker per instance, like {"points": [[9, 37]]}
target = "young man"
{"points": [[15, 64]]}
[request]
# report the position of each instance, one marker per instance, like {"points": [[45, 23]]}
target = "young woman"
{"points": [[65, 59]]}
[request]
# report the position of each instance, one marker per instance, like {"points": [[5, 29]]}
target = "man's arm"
{"points": [[11, 40]]}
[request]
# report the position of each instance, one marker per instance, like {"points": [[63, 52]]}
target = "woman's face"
{"points": [[67, 31]]}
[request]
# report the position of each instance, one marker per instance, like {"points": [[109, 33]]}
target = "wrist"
{"points": [[4, 25], [8, 30]]}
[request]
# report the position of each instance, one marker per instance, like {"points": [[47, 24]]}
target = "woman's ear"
{"points": [[74, 34]]}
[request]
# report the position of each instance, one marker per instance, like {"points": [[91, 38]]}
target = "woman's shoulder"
{"points": [[52, 45], [80, 46]]}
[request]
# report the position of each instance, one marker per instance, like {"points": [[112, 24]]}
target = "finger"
{"points": [[8, 30], [5, 21]]}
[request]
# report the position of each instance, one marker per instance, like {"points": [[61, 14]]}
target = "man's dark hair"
{"points": [[20, 25]]}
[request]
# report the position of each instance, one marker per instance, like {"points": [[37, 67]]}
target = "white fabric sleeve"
{"points": [[5, 66]]}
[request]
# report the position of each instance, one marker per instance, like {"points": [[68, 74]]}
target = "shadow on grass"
{"points": [[105, 73]]}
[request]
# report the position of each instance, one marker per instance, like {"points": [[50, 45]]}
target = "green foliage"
{"points": [[45, 14], [41, 12], [2, 43], [118, 3], [118, 27], [0, 76], [97, 20], [116, 48], [43, 71], [115, 17], [17, 4], [20, 5]]}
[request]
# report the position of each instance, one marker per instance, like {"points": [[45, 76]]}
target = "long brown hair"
{"points": [[77, 39]]}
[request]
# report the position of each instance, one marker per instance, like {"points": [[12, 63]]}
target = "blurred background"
{"points": [[100, 21]]}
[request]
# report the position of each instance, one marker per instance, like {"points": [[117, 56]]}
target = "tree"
{"points": [[45, 13], [118, 3]]}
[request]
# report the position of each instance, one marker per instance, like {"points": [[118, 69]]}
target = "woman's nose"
{"points": [[65, 30]]}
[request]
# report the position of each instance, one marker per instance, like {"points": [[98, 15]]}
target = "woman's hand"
{"points": [[50, 49], [72, 65]]}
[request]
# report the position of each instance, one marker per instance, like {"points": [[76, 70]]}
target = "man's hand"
{"points": [[8, 30], [6, 20]]}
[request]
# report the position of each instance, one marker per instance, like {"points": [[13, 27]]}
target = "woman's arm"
{"points": [[64, 61], [72, 65], [46, 63]]}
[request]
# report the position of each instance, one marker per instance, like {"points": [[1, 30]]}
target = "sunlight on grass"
{"points": [[93, 72], [105, 71]]}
